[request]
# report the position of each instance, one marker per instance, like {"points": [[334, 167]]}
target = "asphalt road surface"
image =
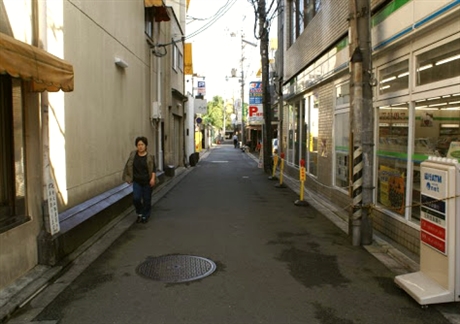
{"points": [[276, 262]]}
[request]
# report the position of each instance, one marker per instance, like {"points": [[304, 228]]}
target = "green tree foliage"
{"points": [[215, 116]]}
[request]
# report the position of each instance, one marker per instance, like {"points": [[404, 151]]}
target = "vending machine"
{"points": [[438, 280]]}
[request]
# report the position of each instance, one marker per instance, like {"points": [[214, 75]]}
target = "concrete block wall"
{"points": [[407, 236]]}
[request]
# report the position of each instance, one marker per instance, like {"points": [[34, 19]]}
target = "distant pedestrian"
{"points": [[140, 172], [235, 141]]}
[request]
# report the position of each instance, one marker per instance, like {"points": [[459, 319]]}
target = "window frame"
{"points": [[13, 175], [149, 22], [398, 93], [340, 109], [436, 84], [175, 51]]}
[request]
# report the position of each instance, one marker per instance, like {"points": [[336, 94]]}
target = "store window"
{"points": [[12, 157], [440, 63], [292, 126], [342, 135], [392, 156], [394, 78], [311, 120], [437, 133]]}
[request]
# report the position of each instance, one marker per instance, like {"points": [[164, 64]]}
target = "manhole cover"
{"points": [[176, 268]]}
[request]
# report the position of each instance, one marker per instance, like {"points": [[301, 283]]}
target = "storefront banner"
{"points": [[256, 115]]}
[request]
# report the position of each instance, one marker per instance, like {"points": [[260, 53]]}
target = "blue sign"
{"points": [[255, 92]]}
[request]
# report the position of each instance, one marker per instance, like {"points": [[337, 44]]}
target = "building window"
{"points": [[293, 21], [291, 134], [175, 56], [440, 63], [437, 133], [301, 13], [12, 157], [311, 9], [311, 120], [149, 19], [392, 157], [342, 135], [301, 16], [180, 61], [394, 78]]}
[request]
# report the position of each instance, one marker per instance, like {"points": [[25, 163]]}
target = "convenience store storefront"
{"points": [[417, 101]]}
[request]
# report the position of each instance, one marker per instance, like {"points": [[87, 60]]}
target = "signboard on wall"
{"points": [[255, 92], [202, 88], [255, 113], [200, 106]]}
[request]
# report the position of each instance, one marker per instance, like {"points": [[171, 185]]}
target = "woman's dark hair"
{"points": [[142, 139]]}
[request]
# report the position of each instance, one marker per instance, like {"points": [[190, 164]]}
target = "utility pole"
{"points": [[266, 98], [361, 123]]}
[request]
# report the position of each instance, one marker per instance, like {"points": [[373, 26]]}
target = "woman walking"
{"points": [[140, 172]]}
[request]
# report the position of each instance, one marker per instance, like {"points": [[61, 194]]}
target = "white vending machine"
{"points": [[438, 280]]}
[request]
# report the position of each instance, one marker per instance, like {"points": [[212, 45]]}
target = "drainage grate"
{"points": [[176, 268]]}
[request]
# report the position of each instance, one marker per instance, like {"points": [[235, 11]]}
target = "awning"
{"points": [[46, 71], [188, 61], [153, 3], [160, 11]]}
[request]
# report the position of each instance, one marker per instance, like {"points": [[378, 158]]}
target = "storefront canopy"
{"points": [[46, 71], [160, 13]]}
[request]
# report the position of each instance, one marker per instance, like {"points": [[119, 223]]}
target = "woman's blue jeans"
{"points": [[142, 199]]}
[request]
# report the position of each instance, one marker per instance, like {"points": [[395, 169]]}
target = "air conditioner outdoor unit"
{"points": [[156, 110]]}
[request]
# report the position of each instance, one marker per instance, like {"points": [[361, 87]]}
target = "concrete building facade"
{"points": [[119, 76], [416, 86]]}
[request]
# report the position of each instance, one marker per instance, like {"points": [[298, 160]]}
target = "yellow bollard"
{"points": [[302, 178], [281, 184], [275, 163]]}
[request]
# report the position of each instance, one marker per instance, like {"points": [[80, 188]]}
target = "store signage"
{"points": [[255, 92], [434, 210], [202, 88], [54, 226], [256, 115], [200, 106]]}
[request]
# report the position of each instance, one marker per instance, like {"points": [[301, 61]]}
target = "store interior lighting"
{"points": [[425, 67], [449, 59]]}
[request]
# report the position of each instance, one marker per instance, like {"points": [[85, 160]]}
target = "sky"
{"points": [[215, 52]]}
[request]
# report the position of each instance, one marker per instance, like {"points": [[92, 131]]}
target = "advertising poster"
{"points": [[255, 113], [391, 188]]}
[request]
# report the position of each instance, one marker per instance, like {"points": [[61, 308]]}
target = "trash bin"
{"points": [[194, 158], [169, 170]]}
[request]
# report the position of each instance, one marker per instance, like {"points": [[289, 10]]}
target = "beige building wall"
{"points": [[18, 246], [92, 129]]}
